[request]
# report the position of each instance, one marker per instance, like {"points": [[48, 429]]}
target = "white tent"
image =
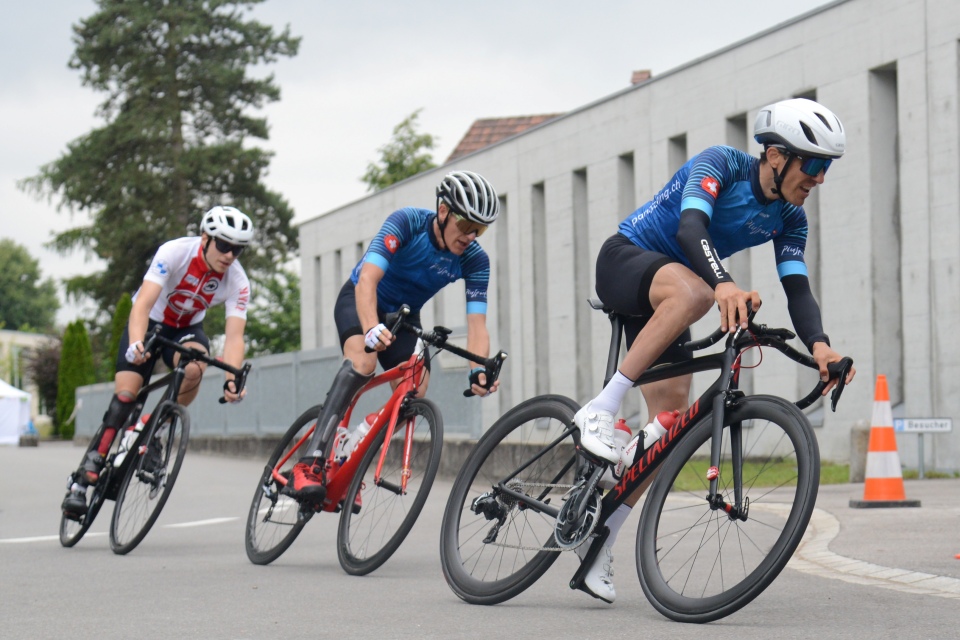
{"points": [[14, 413]]}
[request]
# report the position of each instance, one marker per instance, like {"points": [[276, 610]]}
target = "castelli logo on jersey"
{"points": [[710, 185], [391, 243]]}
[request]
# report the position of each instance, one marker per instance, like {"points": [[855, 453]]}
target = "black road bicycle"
{"points": [[737, 479], [140, 477]]}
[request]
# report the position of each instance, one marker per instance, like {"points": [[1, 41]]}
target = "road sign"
{"points": [[923, 425]]}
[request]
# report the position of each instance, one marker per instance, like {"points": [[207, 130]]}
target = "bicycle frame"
{"points": [[409, 374]]}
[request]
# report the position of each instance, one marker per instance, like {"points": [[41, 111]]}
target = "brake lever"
{"points": [[839, 370], [239, 381], [401, 315], [492, 370]]}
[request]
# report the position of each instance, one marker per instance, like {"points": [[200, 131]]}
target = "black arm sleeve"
{"points": [[804, 310], [696, 244]]}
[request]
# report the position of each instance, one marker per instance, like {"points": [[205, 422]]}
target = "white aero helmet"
{"points": [[803, 126], [470, 195], [228, 223]]}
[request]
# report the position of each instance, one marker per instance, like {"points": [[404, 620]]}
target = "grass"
{"points": [[773, 473]]}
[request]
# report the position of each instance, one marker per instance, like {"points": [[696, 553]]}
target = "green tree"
{"points": [[176, 138], [273, 323], [407, 154], [120, 317], [26, 303], [75, 370]]}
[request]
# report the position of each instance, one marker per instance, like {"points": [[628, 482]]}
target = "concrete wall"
{"points": [[885, 228]]}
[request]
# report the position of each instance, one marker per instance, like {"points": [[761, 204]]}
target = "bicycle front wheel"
{"points": [[492, 547], [275, 519], [378, 513], [150, 478], [72, 529], [696, 563]]}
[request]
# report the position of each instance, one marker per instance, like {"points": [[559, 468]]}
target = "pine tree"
{"points": [[176, 138]]}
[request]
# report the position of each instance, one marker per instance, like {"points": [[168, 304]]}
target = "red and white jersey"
{"points": [[189, 287]]}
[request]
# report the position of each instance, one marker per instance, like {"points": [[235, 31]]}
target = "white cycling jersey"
{"points": [[189, 287]]}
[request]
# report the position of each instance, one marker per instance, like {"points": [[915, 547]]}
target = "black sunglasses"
{"points": [[225, 247]]}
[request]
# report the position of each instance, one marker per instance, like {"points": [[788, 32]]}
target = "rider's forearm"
{"points": [[366, 296], [234, 347], [478, 338], [693, 238], [804, 310]]}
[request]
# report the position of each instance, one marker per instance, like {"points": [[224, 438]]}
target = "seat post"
{"points": [[613, 355]]}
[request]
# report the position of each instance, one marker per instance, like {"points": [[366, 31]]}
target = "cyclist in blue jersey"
{"points": [[664, 266], [416, 253]]}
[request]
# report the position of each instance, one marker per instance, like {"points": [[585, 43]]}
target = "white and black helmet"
{"points": [[470, 195], [803, 126], [228, 223]]}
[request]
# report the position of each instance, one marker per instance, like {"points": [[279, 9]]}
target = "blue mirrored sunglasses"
{"points": [[813, 166]]}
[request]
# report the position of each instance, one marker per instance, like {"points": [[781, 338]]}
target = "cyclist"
{"points": [[664, 265], [185, 278], [416, 253]]}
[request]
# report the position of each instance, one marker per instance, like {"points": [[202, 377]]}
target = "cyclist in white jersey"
{"points": [[186, 277]]}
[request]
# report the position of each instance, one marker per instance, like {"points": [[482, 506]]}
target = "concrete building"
{"points": [[885, 230]]}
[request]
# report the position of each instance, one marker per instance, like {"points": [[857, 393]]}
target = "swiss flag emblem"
{"points": [[710, 185], [391, 243]]}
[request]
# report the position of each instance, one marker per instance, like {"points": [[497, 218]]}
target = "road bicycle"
{"points": [[385, 480], [140, 475], [737, 479]]}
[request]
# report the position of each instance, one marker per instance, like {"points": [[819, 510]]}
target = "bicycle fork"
{"points": [[721, 402]]}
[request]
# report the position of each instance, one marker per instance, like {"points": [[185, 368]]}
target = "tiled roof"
{"points": [[487, 131]]}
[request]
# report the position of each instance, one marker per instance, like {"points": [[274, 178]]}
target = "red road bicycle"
{"points": [[385, 480]]}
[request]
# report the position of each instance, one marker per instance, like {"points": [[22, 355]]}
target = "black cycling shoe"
{"points": [[75, 504]]}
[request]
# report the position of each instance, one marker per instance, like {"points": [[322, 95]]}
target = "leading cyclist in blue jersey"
{"points": [[664, 265], [416, 253]]}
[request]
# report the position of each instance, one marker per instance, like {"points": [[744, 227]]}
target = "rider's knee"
{"points": [[121, 404]]}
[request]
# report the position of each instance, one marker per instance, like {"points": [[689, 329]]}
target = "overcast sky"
{"points": [[363, 67]]}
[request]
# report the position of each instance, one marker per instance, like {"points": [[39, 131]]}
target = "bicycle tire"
{"points": [[148, 481], [368, 537], [275, 519], [698, 565], [488, 573]]}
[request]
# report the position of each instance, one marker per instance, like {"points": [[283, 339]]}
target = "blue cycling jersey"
{"points": [[724, 183], [416, 268]]}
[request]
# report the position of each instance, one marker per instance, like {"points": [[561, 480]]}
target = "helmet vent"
{"points": [[808, 133], [824, 120]]}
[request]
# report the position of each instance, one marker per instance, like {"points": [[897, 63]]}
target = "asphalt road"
{"points": [[887, 573]]}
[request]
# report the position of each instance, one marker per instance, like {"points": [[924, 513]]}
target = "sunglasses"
{"points": [[466, 227], [225, 247], [813, 166]]}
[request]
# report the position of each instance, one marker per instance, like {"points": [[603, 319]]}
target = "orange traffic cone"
{"points": [[883, 485]]}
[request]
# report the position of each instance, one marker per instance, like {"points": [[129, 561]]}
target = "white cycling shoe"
{"points": [[598, 580], [596, 433]]}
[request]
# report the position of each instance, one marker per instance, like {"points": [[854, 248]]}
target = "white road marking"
{"points": [[179, 525]]}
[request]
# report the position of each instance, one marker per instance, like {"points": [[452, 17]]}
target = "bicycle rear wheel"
{"points": [[492, 547], [150, 478], [380, 515], [695, 563], [275, 519]]}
